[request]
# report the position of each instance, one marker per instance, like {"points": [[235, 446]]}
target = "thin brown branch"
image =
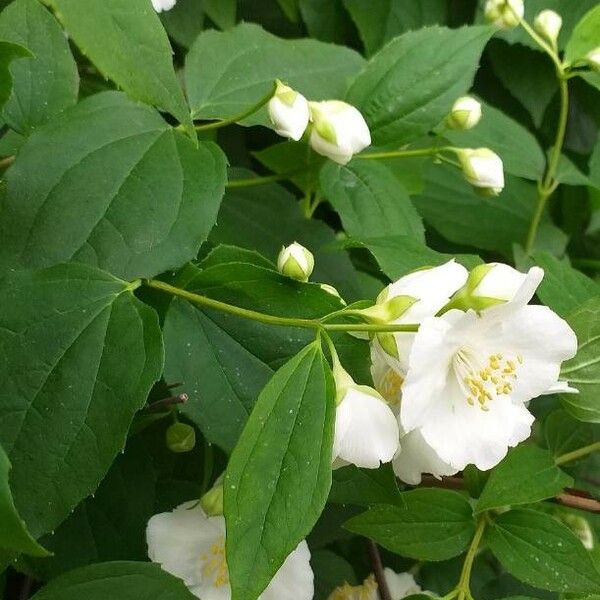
{"points": [[166, 403], [377, 565], [7, 161], [571, 498]]}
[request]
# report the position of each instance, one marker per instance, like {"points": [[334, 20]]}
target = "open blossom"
{"points": [[191, 545], [160, 5], [366, 429], [339, 130], [470, 375], [399, 585], [288, 111]]}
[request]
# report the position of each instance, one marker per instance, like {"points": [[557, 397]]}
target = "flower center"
{"points": [[214, 567], [482, 379], [366, 591], [390, 387]]}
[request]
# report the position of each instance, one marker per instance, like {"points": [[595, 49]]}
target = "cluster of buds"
{"points": [[335, 129]]}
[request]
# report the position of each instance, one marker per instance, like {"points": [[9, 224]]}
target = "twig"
{"points": [[571, 498], [382, 586], [7, 161], [166, 403], [26, 589]]}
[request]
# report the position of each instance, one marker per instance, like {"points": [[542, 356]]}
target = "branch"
{"points": [[571, 498], [166, 403], [382, 586]]}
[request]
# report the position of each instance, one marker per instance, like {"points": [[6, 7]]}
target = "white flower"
{"points": [[560, 387], [504, 13], [548, 24], [430, 289], [471, 374], [190, 545], [160, 5], [296, 261], [288, 111], [593, 59], [366, 429], [465, 113], [339, 130], [399, 585], [483, 169]]}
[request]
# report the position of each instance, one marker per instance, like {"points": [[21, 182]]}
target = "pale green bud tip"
{"points": [[285, 93], [593, 59], [483, 169], [548, 24], [388, 310], [343, 380], [212, 501], [296, 261], [331, 290], [504, 13], [465, 113], [580, 527], [180, 437]]}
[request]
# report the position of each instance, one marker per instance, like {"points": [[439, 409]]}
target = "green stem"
{"points": [[406, 153], [240, 116], [270, 319], [251, 181], [463, 588], [576, 454], [590, 263], [209, 464]]}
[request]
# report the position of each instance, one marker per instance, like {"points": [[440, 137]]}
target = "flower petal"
{"points": [[366, 430], [294, 580], [400, 585]]}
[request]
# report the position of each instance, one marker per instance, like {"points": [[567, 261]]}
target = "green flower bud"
{"points": [[504, 13], [296, 261], [465, 113], [212, 501], [548, 24], [180, 437]]}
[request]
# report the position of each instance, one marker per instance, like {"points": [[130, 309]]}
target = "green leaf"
{"points": [[379, 21], [431, 524], [8, 53], [563, 288], [432, 66], [184, 22], [464, 217], [528, 474], [219, 88], [111, 525], [14, 535], [352, 485], [330, 571], [279, 474], [221, 12], [564, 434], [127, 43], [520, 152], [399, 255], [583, 370], [80, 354], [370, 201], [151, 214], [267, 217], [51, 69], [326, 20], [117, 580], [585, 36], [240, 355], [224, 253], [542, 552]]}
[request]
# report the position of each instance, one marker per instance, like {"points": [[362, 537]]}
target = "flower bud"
{"points": [[288, 111], [504, 13], [389, 310], [331, 290], [180, 437], [593, 59], [212, 501], [483, 169], [580, 526], [465, 113], [339, 130], [296, 261], [160, 5], [548, 24]]}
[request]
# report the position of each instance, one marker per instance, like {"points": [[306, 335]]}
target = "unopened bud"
{"points": [[163, 5], [465, 113], [483, 169], [212, 501], [180, 437], [504, 13], [296, 261], [580, 526], [593, 59], [288, 111], [389, 310], [548, 24], [339, 130]]}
